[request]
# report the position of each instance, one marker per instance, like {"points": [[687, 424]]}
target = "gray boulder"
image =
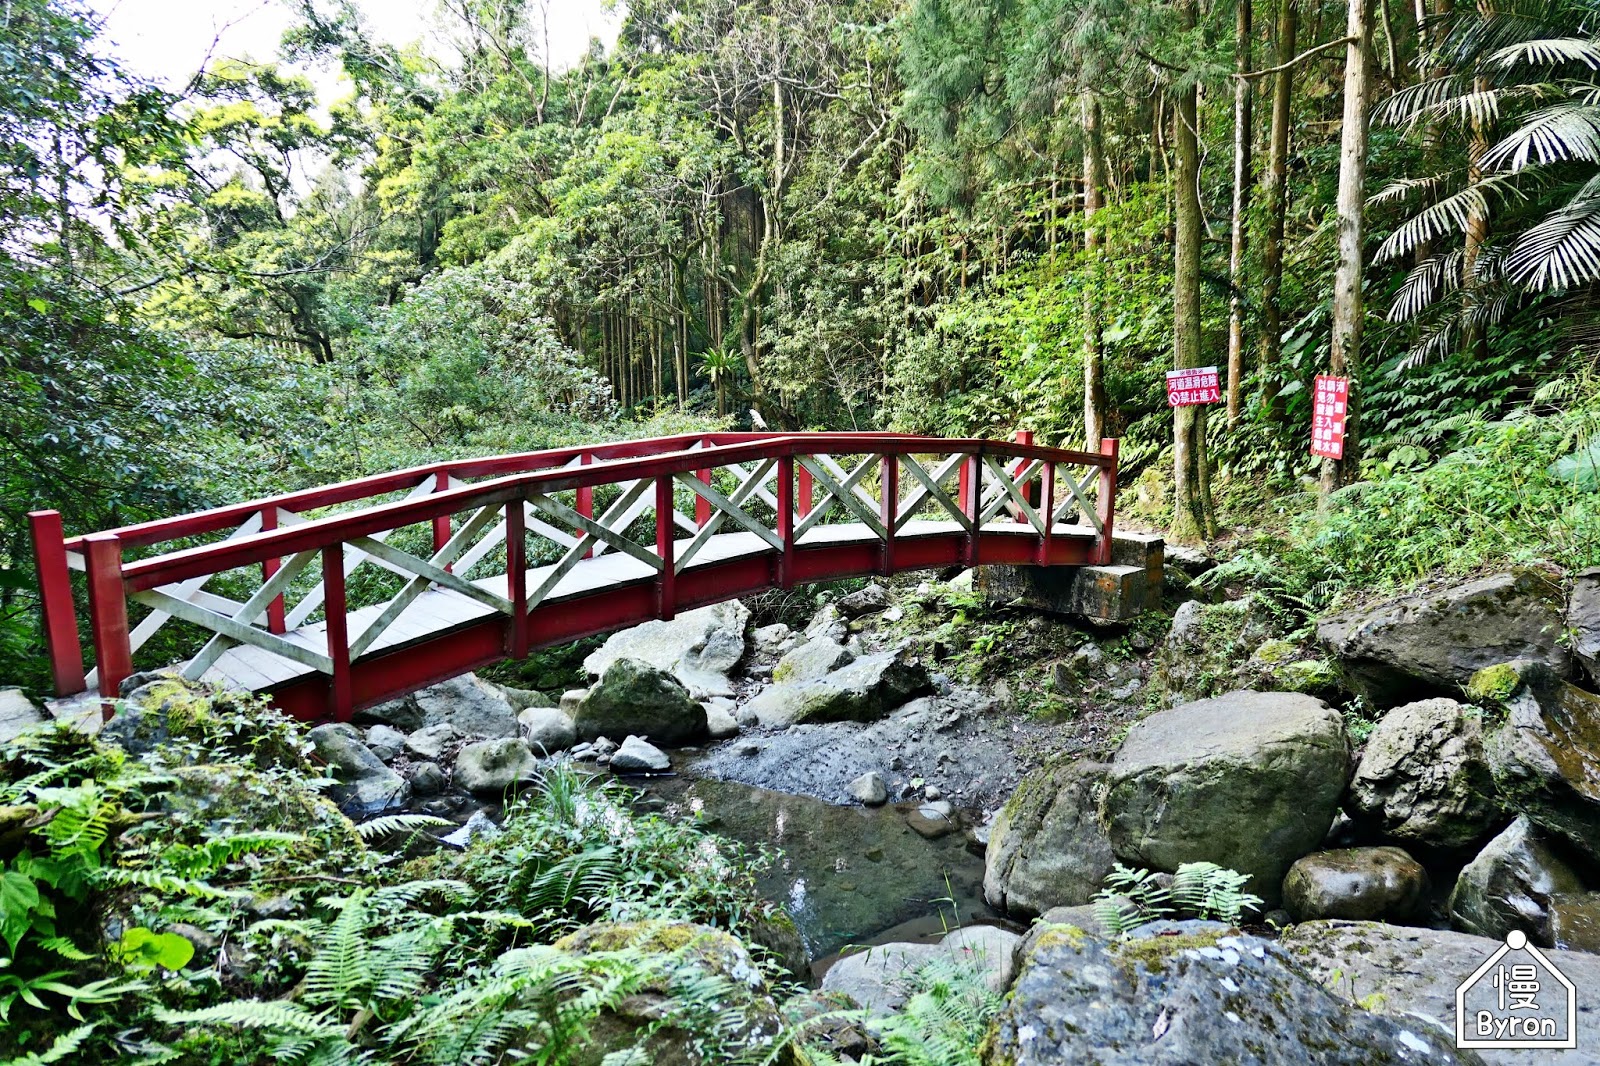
{"points": [[869, 789], [475, 707], [634, 696], [1510, 885], [17, 714], [1544, 754], [1583, 621], [811, 660], [386, 742], [720, 721], [428, 779], [363, 786], [637, 756], [1411, 974], [1047, 846], [1358, 883], [697, 647], [880, 977], [1424, 780], [1250, 781], [873, 599], [547, 729], [829, 624], [1431, 643], [493, 767], [864, 691], [1196, 997], [432, 741], [1211, 646]]}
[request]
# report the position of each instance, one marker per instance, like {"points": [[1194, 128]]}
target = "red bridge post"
{"points": [[1107, 503], [970, 483], [340, 701], [55, 600], [517, 576], [108, 612], [888, 507], [786, 467], [667, 587], [275, 617]]}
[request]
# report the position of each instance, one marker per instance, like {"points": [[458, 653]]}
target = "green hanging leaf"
{"points": [[1581, 468], [142, 949]]}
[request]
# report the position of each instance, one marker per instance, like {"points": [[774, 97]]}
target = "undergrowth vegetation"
{"points": [[202, 903]]}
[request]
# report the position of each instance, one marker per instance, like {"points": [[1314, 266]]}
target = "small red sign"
{"points": [[1197, 385], [1331, 402]]}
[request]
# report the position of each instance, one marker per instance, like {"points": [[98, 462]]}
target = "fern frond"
{"points": [[256, 1014], [69, 1043], [378, 828]]}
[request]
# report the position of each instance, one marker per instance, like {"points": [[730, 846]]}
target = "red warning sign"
{"points": [[1331, 402], [1197, 385]]}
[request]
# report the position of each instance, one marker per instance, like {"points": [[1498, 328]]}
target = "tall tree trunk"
{"points": [[1191, 507], [1094, 178], [1243, 134], [1344, 357], [1277, 200]]}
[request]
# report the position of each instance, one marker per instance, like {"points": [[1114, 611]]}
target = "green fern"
{"points": [[67, 1044], [378, 828]]}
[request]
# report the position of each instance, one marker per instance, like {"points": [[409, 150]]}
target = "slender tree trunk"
{"points": [[1277, 202], [1243, 134], [1344, 357], [1190, 504], [1094, 177]]}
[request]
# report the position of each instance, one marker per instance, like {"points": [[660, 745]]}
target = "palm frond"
{"points": [[1560, 252], [1450, 215], [1425, 285], [1562, 133], [1549, 51]]}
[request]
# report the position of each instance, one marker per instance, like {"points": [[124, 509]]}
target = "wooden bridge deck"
{"points": [[440, 611]]}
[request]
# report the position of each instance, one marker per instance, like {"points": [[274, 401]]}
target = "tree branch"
{"points": [[1307, 54]]}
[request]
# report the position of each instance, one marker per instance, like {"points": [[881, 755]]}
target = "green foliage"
{"points": [[1131, 897], [942, 1023]]}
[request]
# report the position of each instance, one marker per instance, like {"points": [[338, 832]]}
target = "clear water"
{"points": [[848, 875]]}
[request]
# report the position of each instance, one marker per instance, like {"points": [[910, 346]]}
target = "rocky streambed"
{"points": [[1407, 792]]}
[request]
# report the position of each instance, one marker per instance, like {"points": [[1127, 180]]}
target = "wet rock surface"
{"points": [[1411, 974], [1545, 757], [864, 690], [490, 768], [1355, 883], [1510, 885], [1423, 778], [1195, 997], [1432, 642], [18, 714], [473, 706], [1047, 846], [1250, 781]]}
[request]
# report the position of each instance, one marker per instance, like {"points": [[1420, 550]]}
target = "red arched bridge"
{"points": [[336, 598]]}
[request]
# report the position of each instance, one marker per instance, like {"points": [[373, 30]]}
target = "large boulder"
{"points": [[473, 706], [1431, 643], [1250, 781], [1047, 846], [1424, 780], [1545, 755], [1211, 648], [864, 691], [636, 697], [17, 714], [1358, 883], [547, 729], [363, 786], [811, 660], [1194, 997], [881, 978], [655, 1017], [697, 647], [1510, 885], [492, 768], [1411, 974], [1583, 621]]}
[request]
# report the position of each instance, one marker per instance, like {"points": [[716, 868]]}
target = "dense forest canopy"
{"points": [[950, 216]]}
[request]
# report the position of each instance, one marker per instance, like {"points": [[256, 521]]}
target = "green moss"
{"points": [[1061, 933], [1494, 684], [1275, 651], [1308, 675], [1153, 952]]}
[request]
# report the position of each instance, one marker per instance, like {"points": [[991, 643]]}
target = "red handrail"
{"points": [[509, 479]]}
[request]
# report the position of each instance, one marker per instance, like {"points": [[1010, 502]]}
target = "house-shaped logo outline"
{"points": [[1516, 940]]}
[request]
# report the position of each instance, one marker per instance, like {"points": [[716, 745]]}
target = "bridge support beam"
{"points": [[1112, 593]]}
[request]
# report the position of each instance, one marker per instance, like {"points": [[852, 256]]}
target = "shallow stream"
{"points": [[848, 875]]}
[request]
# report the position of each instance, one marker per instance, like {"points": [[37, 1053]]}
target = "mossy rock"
{"points": [[1494, 684], [190, 721]]}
